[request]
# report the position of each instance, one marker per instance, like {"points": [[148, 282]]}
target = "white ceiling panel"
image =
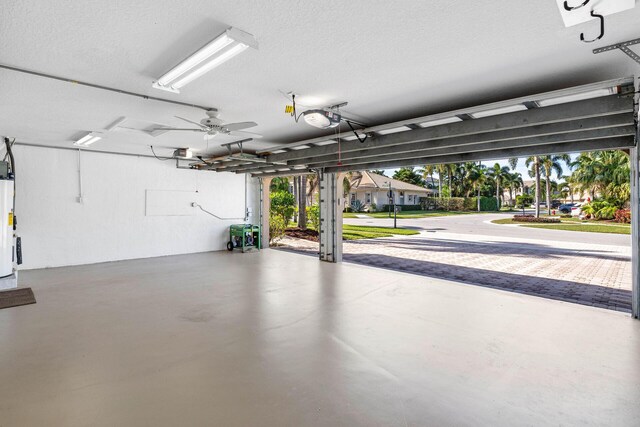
{"points": [[390, 60]]}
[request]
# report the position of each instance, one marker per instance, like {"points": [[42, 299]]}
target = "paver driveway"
{"points": [[586, 273]]}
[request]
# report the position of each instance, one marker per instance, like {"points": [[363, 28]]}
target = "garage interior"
{"points": [[129, 171]]}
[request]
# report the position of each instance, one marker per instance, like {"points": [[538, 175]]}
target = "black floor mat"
{"points": [[16, 297]]}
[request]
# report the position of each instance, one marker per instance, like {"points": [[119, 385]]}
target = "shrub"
{"points": [[599, 209], [523, 200], [531, 218], [450, 204], [373, 207], [607, 212], [313, 216], [523, 216], [470, 204], [623, 216], [566, 216], [283, 204], [486, 204], [277, 225], [356, 206]]}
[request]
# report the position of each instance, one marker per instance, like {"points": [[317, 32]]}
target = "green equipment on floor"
{"points": [[244, 236]]}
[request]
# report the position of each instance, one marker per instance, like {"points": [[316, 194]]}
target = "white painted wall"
{"points": [[111, 223]]}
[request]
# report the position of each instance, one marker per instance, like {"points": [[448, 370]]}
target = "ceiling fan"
{"points": [[212, 125]]}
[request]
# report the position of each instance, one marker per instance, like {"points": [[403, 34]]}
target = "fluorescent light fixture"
{"points": [[578, 97], [221, 49], [353, 137], [393, 130], [88, 139], [439, 122], [327, 142], [497, 111]]}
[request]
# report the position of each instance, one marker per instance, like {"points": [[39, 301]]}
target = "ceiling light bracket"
{"points": [[623, 47], [228, 145]]}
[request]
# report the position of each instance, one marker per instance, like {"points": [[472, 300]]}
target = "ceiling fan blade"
{"points": [[240, 126], [168, 129], [243, 133], [192, 122]]}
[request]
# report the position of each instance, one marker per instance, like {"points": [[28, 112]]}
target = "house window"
{"points": [[402, 198], [368, 198], [353, 197]]}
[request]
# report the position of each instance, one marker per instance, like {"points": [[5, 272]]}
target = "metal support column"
{"points": [[265, 207], [330, 218], [634, 163], [635, 232]]}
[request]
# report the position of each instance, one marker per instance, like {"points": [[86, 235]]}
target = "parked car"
{"points": [[555, 204], [566, 208]]}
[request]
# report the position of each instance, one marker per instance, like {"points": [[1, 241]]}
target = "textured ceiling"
{"points": [[389, 59]]}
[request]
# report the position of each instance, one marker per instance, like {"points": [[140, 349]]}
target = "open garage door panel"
{"points": [[599, 116]]}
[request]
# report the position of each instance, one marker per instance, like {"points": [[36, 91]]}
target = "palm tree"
{"points": [[535, 162], [513, 162], [568, 186], [477, 177], [499, 174], [427, 172], [603, 172], [302, 204], [450, 168], [312, 181], [549, 165], [513, 182]]}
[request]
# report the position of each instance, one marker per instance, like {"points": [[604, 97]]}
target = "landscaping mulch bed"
{"points": [[299, 233]]}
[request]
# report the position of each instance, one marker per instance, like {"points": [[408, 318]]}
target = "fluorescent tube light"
{"points": [[393, 130], [497, 111], [439, 122], [353, 137], [221, 49], [88, 139], [578, 97]]}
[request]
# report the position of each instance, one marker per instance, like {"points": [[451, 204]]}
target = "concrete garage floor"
{"points": [[280, 339]]}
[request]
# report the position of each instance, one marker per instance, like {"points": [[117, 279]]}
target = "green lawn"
{"points": [[574, 224], [354, 232], [408, 214]]}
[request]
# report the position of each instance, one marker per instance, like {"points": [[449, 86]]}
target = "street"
{"points": [[480, 224]]}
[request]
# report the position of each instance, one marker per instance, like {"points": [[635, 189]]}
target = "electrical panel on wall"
{"points": [[580, 10]]}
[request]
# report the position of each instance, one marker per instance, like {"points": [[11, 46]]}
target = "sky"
{"points": [[504, 162]]}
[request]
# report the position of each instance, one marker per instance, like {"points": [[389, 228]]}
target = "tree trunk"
{"points": [[498, 194], [536, 166], [302, 204], [439, 185], [548, 195], [478, 198], [450, 188]]}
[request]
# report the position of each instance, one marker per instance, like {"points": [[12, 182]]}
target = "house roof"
{"points": [[366, 180]]}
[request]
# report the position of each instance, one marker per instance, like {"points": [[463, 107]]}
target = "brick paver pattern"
{"points": [[600, 278]]}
